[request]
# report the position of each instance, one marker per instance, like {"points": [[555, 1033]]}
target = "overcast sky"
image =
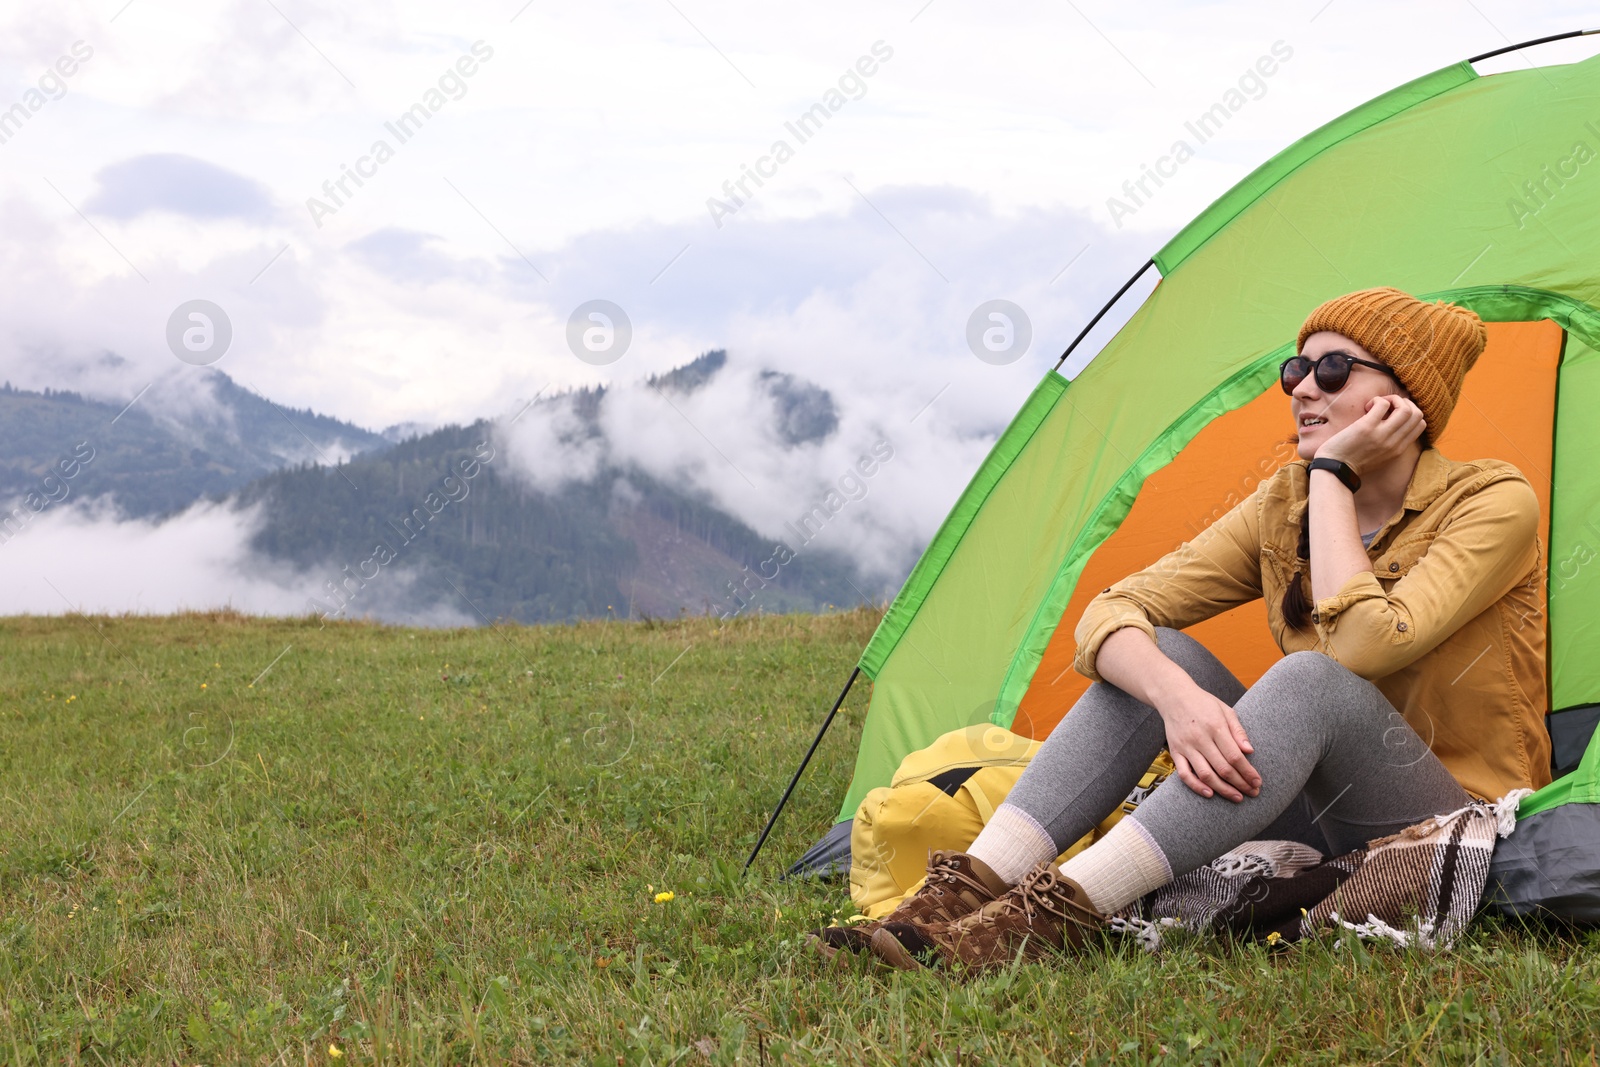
{"points": [[571, 153]]}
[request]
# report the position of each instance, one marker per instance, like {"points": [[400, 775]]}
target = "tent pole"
{"points": [[798, 771], [1530, 44], [1102, 312]]}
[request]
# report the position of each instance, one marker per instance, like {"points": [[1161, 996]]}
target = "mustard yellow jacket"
{"points": [[1449, 624]]}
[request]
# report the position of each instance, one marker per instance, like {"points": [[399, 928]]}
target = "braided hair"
{"points": [[1296, 605]]}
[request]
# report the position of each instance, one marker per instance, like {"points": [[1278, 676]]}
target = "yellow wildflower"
{"points": [[202, 685], [665, 897], [335, 1052], [1274, 937]]}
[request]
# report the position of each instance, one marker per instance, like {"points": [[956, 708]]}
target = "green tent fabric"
{"points": [[1454, 186]]}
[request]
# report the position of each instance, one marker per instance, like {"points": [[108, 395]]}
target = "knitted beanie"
{"points": [[1430, 347]]}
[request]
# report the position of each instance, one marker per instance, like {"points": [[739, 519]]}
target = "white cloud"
{"points": [[550, 446], [576, 165], [589, 144]]}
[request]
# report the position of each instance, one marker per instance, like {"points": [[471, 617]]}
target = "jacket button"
{"points": [[1394, 566], [1401, 627]]}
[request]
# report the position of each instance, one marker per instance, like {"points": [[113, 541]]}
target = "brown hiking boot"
{"points": [[956, 885], [1046, 914]]}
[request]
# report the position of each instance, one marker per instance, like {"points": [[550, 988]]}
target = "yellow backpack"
{"points": [[940, 798]]}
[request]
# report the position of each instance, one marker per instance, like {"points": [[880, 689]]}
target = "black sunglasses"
{"points": [[1332, 371]]}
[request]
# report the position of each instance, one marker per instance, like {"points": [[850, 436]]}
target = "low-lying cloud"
{"points": [[87, 557], [730, 440]]}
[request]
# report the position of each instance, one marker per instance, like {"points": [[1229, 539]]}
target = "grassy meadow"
{"points": [[233, 840]]}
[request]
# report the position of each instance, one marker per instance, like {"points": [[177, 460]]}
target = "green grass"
{"points": [[443, 847]]}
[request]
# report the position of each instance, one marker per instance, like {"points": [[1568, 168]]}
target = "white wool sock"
{"points": [[1013, 844], [1119, 868]]}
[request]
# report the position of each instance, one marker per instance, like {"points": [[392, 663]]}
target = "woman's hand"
{"points": [[1388, 428], [1208, 746]]}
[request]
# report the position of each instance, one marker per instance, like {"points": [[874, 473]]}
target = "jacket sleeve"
{"points": [[1218, 570], [1486, 548]]}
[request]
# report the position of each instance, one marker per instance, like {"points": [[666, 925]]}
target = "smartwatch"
{"points": [[1340, 470]]}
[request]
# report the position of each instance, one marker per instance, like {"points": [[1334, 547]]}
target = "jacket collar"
{"points": [[1431, 477], [1429, 480]]}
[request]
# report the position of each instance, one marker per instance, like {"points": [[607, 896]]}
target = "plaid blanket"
{"points": [[1418, 887]]}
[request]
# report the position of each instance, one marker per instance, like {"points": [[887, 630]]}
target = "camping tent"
{"points": [[1481, 190]]}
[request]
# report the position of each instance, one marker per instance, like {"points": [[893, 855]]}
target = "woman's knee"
{"points": [[1316, 667], [1208, 672], [1182, 649], [1308, 665], [1313, 679], [1168, 638]]}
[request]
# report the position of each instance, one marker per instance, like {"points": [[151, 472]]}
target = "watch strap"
{"points": [[1340, 470]]}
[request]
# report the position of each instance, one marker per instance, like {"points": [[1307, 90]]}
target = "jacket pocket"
{"points": [[1401, 556]]}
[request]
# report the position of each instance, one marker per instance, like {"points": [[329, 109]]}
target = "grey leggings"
{"points": [[1338, 764]]}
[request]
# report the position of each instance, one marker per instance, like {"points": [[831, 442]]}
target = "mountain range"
{"points": [[395, 525], [153, 459]]}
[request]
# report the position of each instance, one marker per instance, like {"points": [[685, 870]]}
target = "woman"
{"points": [[1406, 593]]}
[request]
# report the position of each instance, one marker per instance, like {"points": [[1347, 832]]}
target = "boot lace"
{"points": [[1042, 889], [944, 868], [946, 876]]}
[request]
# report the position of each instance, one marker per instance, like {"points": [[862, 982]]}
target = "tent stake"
{"points": [[798, 771], [1102, 312]]}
